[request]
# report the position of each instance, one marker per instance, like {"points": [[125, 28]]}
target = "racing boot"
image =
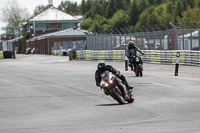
{"points": [[128, 86]]}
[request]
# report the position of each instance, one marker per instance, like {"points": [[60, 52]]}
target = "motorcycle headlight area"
{"points": [[106, 84], [111, 80]]}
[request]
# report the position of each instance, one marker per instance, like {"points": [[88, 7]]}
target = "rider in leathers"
{"points": [[132, 51], [102, 67]]}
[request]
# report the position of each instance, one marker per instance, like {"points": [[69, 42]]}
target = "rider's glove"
{"points": [[117, 73]]}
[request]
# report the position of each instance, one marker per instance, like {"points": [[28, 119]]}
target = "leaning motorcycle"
{"points": [[139, 65], [114, 87]]}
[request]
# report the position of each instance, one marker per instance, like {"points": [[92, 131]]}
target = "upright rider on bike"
{"points": [[132, 52]]}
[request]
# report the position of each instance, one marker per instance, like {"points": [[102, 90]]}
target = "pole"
{"points": [[177, 63], [126, 63]]}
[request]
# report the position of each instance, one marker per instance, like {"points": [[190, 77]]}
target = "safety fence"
{"points": [[56, 52], [151, 56], [172, 36]]}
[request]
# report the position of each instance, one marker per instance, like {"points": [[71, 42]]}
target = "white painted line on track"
{"points": [[158, 84]]}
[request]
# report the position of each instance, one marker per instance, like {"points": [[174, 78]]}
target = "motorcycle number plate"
{"points": [[137, 59]]}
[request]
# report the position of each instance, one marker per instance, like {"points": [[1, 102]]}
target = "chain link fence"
{"points": [[176, 38], [70, 45], [163, 37]]}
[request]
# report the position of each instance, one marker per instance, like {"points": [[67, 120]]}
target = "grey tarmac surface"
{"points": [[49, 94]]}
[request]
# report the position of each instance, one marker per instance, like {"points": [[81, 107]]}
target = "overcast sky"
{"points": [[30, 5]]}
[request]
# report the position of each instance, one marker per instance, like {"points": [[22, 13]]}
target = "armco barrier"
{"points": [[101, 55], [1, 55], [117, 55], [155, 57], [181, 58], [56, 52], [199, 58], [151, 56], [88, 55]]}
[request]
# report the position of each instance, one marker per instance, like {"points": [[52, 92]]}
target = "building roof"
{"points": [[64, 33], [15, 39], [53, 14], [80, 17]]}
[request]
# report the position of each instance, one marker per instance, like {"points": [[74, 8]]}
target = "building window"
{"points": [[9, 31], [48, 26], [40, 27], [28, 28], [63, 26]]}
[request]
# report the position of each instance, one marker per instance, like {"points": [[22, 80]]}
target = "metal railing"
{"points": [[167, 37], [69, 45]]}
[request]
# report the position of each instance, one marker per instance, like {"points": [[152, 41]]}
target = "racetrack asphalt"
{"points": [[50, 94]]}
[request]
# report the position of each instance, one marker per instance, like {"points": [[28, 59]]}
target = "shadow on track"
{"points": [[112, 104]]}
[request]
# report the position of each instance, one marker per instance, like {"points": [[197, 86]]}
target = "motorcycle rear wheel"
{"points": [[137, 73], [141, 74]]}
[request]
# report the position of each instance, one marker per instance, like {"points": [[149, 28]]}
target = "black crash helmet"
{"points": [[131, 45], [101, 66]]}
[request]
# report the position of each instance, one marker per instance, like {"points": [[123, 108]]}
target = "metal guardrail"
{"points": [[151, 56], [56, 52]]}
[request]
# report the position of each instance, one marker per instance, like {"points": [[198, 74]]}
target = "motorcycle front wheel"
{"points": [[140, 71], [117, 96], [131, 99]]}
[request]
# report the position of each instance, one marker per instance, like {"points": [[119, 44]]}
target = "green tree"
{"points": [[128, 2], [133, 13], [143, 19], [155, 15], [89, 4], [120, 4], [143, 4], [198, 3], [170, 8], [153, 19], [83, 7], [22, 48], [191, 15], [98, 23], [97, 8], [191, 3], [159, 2], [13, 14], [119, 20], [69, 7], [38, 9], [110, 9], [178, 9], [104, 7], [185, 4], [86, 23], [152, 2]]}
